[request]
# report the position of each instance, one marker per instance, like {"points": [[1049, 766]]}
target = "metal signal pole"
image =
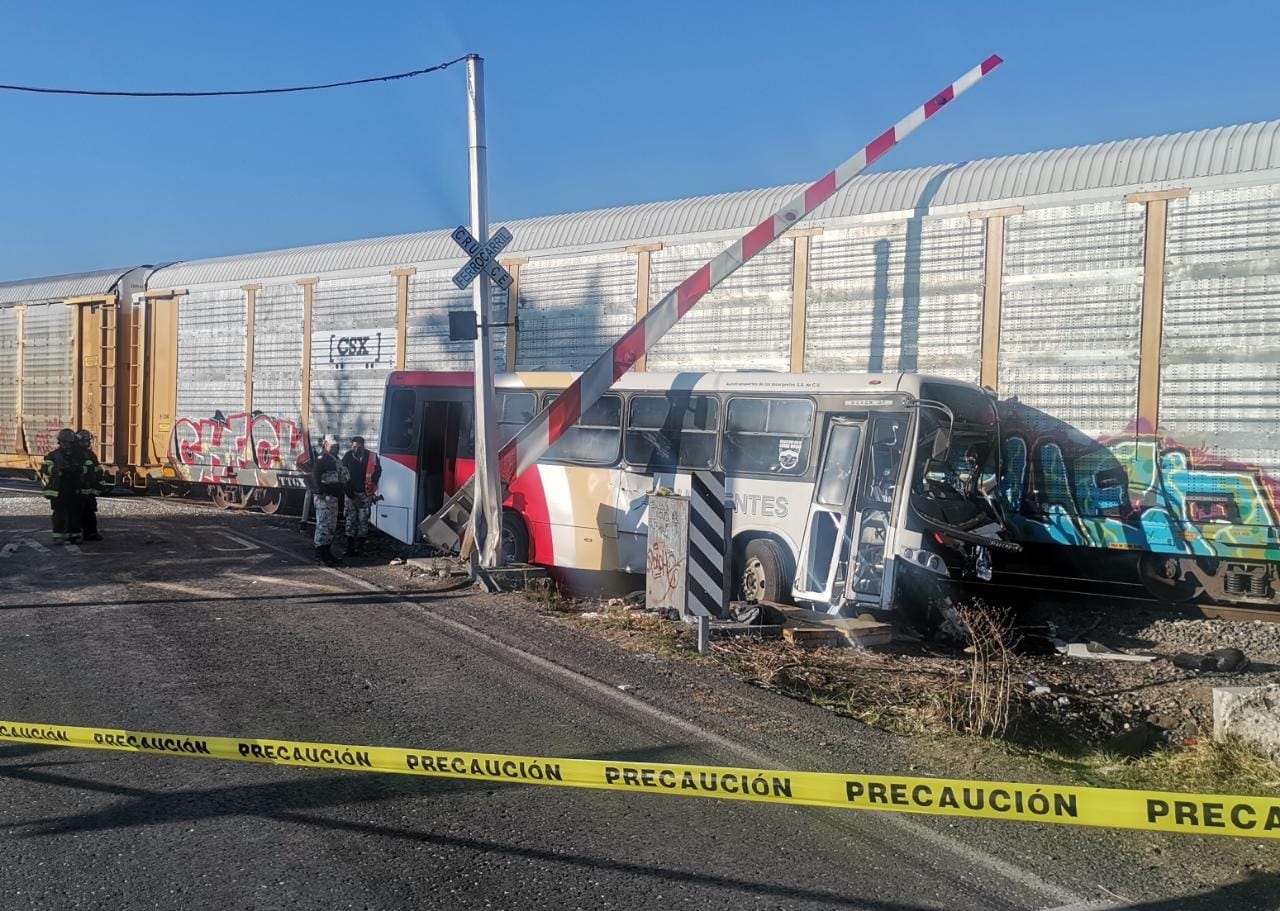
{"points": [[486, 515]]}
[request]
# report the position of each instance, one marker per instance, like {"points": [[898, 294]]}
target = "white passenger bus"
{"points": [[848, 490]]}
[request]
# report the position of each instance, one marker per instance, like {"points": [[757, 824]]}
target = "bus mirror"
{"points": [[462, 326]]}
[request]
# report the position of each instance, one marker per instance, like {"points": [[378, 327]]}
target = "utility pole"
{"points": [[486, 515]]}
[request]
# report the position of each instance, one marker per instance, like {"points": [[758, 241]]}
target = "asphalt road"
{"points": [[195, 621]]}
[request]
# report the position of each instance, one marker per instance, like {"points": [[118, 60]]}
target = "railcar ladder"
{"points": [[134, 441], [107, 384]]}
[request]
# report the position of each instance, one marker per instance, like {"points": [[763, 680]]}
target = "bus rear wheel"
{"points": [[515, 539], [763, 574]]}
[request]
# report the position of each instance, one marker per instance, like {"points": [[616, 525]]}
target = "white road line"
{"points": [[9, 549], [37, 546], [180, 589], [297, 583], [1029, 880], [244, 543]]}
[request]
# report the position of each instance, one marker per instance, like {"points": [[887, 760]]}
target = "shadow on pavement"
{"points": [[317, 599], [289, 801], [1261, 891]]}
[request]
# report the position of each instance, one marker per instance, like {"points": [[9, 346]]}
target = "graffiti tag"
{"points": [[217, 449]]}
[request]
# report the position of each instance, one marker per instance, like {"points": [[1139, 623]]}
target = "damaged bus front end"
{"points": [[918, 517]]}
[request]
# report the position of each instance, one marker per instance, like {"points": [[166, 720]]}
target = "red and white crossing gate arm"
{"points": [[533, 441]]}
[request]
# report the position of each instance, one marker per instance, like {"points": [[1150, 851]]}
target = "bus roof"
{"points": [[725, 381]]}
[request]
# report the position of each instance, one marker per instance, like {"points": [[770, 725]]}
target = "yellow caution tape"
{"points": [[1155, 811]]}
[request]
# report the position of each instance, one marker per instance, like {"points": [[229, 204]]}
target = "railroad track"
{"points": [[198, 502]]}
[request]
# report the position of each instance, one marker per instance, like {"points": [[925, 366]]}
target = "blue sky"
{"points": [[590, 105]]}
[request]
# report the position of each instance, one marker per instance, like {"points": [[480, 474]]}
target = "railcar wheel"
{"points": [[269, 500], [1163, 577], [763, 575], [223, 497]]}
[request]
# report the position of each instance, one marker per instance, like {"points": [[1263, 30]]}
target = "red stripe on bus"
{"points": [[430, 378], [528, 498]]}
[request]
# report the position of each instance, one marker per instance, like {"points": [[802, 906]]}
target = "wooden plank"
{"points": [[813, 637]]}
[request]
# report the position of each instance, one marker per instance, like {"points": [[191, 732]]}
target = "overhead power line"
{"points": [[41, 90]]}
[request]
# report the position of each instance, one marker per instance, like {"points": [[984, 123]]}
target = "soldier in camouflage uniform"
{"points": [[362, 491], [329, 480]]}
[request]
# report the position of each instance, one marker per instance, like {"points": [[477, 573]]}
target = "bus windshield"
{"points": [[952, 489]]}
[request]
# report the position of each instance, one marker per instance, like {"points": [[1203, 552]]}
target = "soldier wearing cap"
{"points": [[61, 480], [328, 481], [364, 471], [95, 481]]}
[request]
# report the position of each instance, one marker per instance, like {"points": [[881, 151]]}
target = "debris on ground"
{"points": [[1036, 688], [1096, 651], [811, 629], [1218, 661]]}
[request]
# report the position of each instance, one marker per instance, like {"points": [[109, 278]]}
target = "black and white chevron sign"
{"points": [[710, 515]]}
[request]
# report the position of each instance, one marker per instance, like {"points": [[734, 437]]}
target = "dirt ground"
{"points": [[1088, 717], [1100, 701]]}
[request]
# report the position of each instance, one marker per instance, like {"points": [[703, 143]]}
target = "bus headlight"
{"points": [[926, 560]]}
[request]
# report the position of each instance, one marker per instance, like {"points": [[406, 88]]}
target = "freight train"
{"points": [[1123, 300]]}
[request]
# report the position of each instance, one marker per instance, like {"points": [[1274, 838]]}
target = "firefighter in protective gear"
{"points": [[363, 471], [61, 480], [95, 482], [329, 481]]}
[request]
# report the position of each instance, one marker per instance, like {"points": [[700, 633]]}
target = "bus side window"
{"points": [[595, 438], [676, 430], [768, 436], [515, 409], [400, 429]]}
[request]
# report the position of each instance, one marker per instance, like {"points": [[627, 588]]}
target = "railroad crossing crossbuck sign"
{"points": [[483, 258]]}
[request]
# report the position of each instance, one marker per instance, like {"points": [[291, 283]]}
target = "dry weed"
{"points": [[990, 691]]}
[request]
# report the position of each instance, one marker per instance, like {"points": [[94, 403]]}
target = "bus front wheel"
{"points": [[515, 538], [763, 575]]}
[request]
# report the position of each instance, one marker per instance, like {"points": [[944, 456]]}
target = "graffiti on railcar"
{"points": [[1138, 490], [251, 448], [42, 437]]}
